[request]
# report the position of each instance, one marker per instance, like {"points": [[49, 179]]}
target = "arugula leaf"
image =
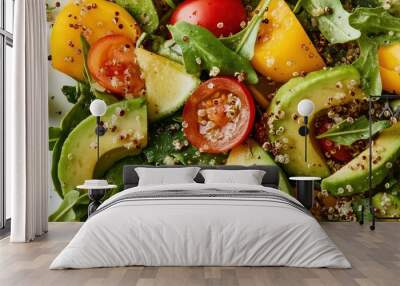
{"points": [[333, 20], [374, 20], [70, 93], [368, 66], [108, 98], [143, 11], [346, 133], [378, 28], [243, 42], [171, 50], [202, 50], [168, 145]]}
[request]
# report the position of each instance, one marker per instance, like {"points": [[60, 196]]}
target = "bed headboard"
{"points": [[271, 178]]}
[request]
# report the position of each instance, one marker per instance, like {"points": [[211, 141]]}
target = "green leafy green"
{"points": [[374, 21], [75, 204], [298, 6], [70, 93], [167, 48], [202, 50], [65, 211], [168, 145], [333, 20], [143, 11], [378, 28], [54, 135], [243, 42], [368, 66], [170, 3], [108, 98], [346, 133]]}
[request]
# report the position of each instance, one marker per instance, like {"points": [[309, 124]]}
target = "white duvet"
{"points": [[201, 231]]}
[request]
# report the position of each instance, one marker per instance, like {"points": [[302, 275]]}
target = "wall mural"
{"points": [[218, 82]]}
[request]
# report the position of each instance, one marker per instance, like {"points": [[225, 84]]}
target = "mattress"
{"points": [[201, 225]]}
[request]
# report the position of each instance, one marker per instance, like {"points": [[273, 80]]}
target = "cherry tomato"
{"points": [[112, 63], [221, 17], [219, 115], [339, 153]]}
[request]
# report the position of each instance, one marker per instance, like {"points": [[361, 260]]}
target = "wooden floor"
{"points": [[375, 257]]}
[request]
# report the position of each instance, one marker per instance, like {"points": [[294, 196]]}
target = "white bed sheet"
{"points": [[200, 232]]}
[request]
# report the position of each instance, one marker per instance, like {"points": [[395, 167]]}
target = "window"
{"points": [[6, 45]]}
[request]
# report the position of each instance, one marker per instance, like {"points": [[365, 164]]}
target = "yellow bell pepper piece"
{"points": [[93, 19], [389, 57], [390, 80], [283, 49], [389, 61]]}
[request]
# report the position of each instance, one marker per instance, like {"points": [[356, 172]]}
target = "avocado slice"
{"points": [[250, 153], [326, 88], [168, 85], [126, 123], [353, 177], [386, 204]]}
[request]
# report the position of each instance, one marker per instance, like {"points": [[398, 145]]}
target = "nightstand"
{"points": [[305, 190], [96, 191]]}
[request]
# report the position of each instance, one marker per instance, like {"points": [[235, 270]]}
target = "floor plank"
{"points": [[375, 257]]}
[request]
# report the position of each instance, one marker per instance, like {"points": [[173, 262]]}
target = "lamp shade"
{"points": [[305, 107], [98, 107]]}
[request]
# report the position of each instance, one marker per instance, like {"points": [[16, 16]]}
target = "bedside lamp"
{"points": [[98, 108], [305, 108], [97, 188]]}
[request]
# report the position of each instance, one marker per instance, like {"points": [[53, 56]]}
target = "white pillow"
{"points": [[248, 177], [166, 176]]}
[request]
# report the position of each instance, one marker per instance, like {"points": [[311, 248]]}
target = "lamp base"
{"points": [[95, 196]]}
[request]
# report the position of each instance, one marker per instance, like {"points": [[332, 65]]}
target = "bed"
{"points": [[198, 224]]}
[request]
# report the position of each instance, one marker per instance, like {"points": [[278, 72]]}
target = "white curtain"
{"points": [[27, 123]]}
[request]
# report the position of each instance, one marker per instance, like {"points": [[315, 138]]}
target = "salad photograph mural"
{"points": [[207, 82]]}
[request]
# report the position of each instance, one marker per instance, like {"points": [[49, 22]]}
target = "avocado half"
{"points": [[250, 153], [386, 204], [326, 88], [353, 178], [126, 123]]}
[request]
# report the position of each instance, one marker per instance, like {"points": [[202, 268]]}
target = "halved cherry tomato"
{"points": [[112, 63], [219, 115], [339, 153], [221, 17]]}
